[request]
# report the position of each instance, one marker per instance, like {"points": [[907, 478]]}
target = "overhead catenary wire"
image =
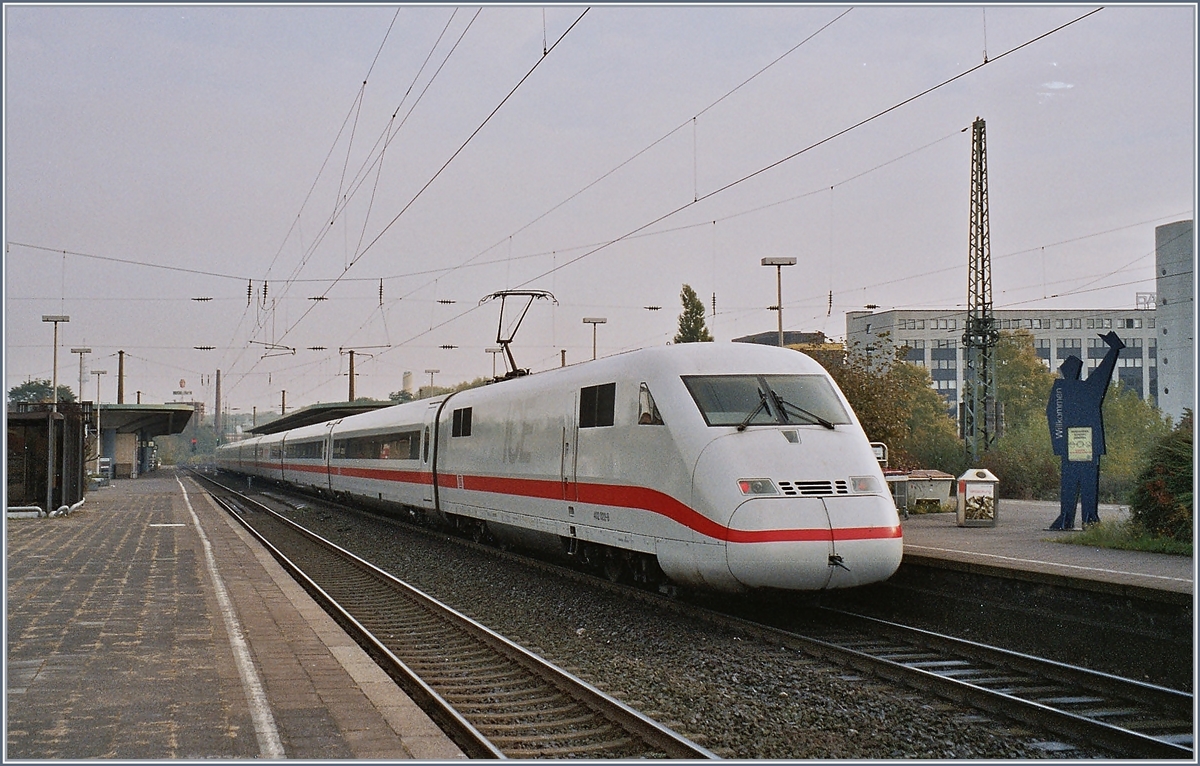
{"points": [[329, 154], [749, 176], [280, 283], [491, 114], [387, 136], [821, 142], [646, 148], [443, 167]]}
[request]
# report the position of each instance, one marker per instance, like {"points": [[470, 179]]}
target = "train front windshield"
{"points": [[735, 400]]}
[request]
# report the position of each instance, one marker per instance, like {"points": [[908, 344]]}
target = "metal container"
{"points": [[978, 498]]}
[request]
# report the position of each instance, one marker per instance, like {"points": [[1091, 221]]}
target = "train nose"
{"points": [[812, 543], [780, 542]]}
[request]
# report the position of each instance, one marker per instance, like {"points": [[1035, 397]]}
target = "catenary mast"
{"points": [[978, 414]]}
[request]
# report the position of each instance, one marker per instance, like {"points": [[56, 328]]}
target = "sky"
{"points": [[260, 189]]}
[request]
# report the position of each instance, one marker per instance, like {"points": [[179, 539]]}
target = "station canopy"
{"points": [[318, 413], [149, 419]]}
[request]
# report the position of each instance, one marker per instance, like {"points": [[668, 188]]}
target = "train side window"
{"points": [[426, 444], [647, 410], [597, 405], [462, 422], [304, 451]]}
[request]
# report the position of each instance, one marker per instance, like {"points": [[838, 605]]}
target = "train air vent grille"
{"points": [[814, 488]]}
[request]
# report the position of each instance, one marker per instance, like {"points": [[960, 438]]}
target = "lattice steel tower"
{"points": [[979, 414]]}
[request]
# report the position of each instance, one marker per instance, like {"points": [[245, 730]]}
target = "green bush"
{"points": [[1131, 429], [1025, 463], [1161, 501]]}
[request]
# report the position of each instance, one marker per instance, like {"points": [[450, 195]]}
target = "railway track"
{"points": [[1125, 717], [494, 698]]}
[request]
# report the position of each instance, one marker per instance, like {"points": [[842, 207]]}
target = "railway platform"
{"points": [[146, 624], [1021, 546]]}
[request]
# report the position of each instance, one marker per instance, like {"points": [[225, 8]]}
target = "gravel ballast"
{"points": [[737, 695]]}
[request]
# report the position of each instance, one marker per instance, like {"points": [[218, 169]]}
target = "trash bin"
{"points": [[978, 498], [929, 490], [897, 482]]}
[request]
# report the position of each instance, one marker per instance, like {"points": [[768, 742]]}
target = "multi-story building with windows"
{"points": [[934, 340], [1158, 361]]}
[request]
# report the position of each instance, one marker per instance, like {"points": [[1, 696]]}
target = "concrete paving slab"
{"points": [[117, 645]]}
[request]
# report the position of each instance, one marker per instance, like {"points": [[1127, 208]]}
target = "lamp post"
{"points": [[779, 263], [493, 352], [55, 318], [81, 352], [593, 321], [99, 433], [431, 373]]}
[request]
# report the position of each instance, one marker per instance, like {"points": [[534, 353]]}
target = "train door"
{"points": [[570, 452], [328, 454], [427, 446]]}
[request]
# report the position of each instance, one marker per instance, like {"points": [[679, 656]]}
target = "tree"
{"points": [[1022, 380], [691, 321], [932, 440], [1161, 502], [39, 391], [400, 397], [1024, 461], [896, 405], [1131, 429]]}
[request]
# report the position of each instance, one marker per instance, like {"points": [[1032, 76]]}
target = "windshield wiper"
{"points": [[762, 403], [812, 416]]}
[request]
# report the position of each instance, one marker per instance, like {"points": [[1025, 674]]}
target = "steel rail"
{"points": [[1077, 703], [523, 707]]}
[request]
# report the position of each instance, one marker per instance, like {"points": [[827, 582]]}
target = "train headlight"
{"points": [[757, 487], [864, 485]]}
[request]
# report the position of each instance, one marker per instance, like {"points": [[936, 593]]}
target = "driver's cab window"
{"points": [[647, 410]]}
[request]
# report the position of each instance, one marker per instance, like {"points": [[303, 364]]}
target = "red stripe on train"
{"points": [[615, 495]]}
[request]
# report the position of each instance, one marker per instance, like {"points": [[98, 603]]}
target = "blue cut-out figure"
{"points": [[1077, 432]]}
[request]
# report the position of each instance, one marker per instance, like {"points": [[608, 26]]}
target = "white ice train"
{"points": [[727, 467]]}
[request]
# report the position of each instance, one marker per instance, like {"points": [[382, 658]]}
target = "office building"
{"points": [[934, 341]]}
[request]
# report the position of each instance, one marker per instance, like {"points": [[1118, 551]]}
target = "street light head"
{"points": [[595, 320], [99, 372], [81, 351], [55, 318], [778, 261]]}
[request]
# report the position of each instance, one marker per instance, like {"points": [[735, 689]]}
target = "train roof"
{"points": [[725, 358]]}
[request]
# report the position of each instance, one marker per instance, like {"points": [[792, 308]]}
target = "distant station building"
{"points": [[52, 447], [47, 451], [127, 434]]}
